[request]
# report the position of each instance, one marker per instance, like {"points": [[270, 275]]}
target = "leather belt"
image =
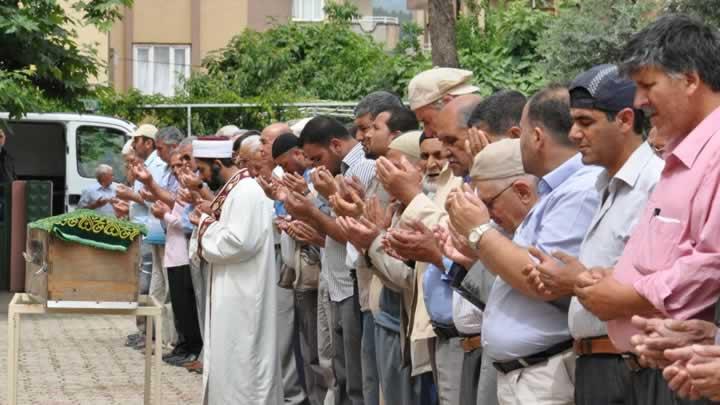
{"points": [[445, 331], [596, 345], [537, 358], [471, 343]]}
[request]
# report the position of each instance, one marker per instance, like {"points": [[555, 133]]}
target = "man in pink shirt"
{"points": [[671, 265]]}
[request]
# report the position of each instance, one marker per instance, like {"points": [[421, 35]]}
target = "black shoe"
{"points": [[133, 339], [177, 351], [182, 359]]}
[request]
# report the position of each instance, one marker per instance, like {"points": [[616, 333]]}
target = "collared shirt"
{"points": [[627, 194], [515, 325], [165, 178], [438, 294], [95, 192], [139, 213], [673, 256], [340, 283]]}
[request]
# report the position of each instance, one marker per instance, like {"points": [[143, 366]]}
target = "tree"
{"points": [[590, 32], [39, 55], [706, 10], [442, 33]]}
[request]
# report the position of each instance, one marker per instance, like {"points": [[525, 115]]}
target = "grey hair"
{"points": [[377, 102], [102, 169], [676, 44], [188, 141], [253, 142], [170, 135]]}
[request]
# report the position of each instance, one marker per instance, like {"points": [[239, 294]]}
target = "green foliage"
{"points": [[341, 12], [39, 55], [589, 32], [706, 10], [502, 53]]}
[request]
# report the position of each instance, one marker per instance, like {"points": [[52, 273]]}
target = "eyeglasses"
{"points": [[489, 203]]}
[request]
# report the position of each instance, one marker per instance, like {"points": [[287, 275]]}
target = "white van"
{"points": [[66, 149]]}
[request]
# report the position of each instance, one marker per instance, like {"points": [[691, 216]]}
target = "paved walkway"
{"points": [[80, 360]]}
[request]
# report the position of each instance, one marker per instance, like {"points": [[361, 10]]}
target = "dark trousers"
{"points": [[182, 297], [605, 379], [347, 328], [472, 362]]}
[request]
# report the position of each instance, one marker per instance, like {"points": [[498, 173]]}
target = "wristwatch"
{"points": [[477, 233]]}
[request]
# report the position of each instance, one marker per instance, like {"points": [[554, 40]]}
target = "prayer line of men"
{"points": [[515, 251]]}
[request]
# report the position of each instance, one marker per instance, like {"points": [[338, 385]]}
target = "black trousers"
{"points": [[182, 297], [605, 379]]}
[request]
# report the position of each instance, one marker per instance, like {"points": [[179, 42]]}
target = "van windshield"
{"points": [[97, 145]]}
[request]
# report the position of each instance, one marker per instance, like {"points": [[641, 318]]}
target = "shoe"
{"points": [[192, 364], [177, 351], [133, 339], [182, 359], [139, 345]]}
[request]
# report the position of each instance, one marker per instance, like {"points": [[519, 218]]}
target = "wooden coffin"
{"points": [[68, 275]]}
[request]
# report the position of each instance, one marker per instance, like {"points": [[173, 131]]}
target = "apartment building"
{"points": [[157, 43]]}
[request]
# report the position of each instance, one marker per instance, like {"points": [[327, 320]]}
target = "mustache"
{"points": [[648, 111]]}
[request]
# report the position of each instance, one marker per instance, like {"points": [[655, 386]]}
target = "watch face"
{"points": [[474, 237]]}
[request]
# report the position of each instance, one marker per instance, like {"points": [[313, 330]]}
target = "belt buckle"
{"points": [[631, 362]]}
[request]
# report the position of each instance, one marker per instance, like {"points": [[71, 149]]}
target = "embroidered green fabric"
{"points": [[89, 228]]}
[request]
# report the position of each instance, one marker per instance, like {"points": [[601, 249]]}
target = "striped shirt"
{"points": [[340, 283]]}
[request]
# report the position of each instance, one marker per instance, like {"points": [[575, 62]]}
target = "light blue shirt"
{"points": [[140, 213], [438, 293], [95, 192], [514, 325]]}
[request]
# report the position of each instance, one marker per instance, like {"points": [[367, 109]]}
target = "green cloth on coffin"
{"points": [[89, 228]]}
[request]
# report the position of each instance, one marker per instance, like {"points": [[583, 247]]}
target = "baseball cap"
{"points": [[499, 160], [602, 88], [431, 85], [146, 130]]}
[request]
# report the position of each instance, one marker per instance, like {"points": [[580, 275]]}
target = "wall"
{"points": [[262, 12]]}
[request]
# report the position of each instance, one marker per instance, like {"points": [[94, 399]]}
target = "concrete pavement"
{"points": [[79, 360]]}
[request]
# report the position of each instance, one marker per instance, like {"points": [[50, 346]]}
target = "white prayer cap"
{"points": [[228, 131], [408, 144], [298, 126], [212, 148]]}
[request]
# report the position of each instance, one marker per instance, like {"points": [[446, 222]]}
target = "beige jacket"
{"points": [[430, 212]]}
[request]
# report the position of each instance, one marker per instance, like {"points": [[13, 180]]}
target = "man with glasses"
{"points": [[522, 333]]}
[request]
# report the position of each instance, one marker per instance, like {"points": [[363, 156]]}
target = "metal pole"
{"points": [[189, 121]]}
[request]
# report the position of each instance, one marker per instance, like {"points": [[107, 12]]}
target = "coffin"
{"points": [[84, 269]]}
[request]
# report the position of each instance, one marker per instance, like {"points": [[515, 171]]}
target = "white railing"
{"points": [[334, 108], [377, 20]]}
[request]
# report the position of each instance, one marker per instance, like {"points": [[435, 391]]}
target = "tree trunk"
{"points": [[442, 33]]}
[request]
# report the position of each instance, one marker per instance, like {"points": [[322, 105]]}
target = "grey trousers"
{"points": [[144, 275], [325, 338], [446, 357], [292, 388], [398, 385], [306, 315], [347, 362], [371, 379], [478, 384], [160, 289]]}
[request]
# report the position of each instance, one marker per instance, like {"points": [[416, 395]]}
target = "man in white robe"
{"points": [[235, 238]]}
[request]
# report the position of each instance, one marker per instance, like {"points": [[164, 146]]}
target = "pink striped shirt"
{"points": [[673, 256]]}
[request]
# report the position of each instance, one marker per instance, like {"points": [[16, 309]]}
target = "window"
{"points": [[96, 145], [160, 68], [308, 10]]}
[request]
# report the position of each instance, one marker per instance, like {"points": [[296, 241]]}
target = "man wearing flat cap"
{"points": [[431, 90], [241, 364]]}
